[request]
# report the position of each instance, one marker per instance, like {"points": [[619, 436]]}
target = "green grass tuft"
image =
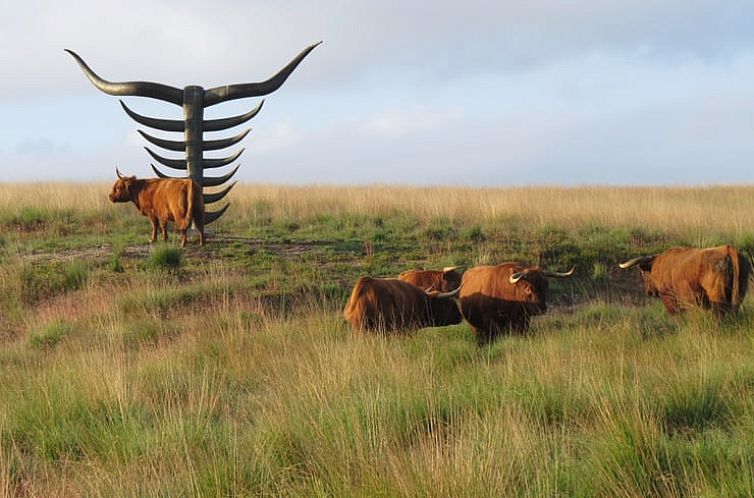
{"points": [[164, 257], [51, 334]]}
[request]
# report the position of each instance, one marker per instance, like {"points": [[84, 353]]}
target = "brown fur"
{"points": [[432, 280], [387, 304], [164, 200], [492, 305], [714, 278]]}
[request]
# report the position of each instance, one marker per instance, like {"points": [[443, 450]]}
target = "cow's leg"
{"points": [[164, 229], [200, 228], [482, 336], [670, 304], [182, 227], [153, 221], [521, 324]]}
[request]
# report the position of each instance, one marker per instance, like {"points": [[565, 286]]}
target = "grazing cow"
{"points": [[163, 200], [445, 280], [715, 278], [502, 298], [387, 304]]}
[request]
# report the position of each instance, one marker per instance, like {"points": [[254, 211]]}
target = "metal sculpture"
{"points": [[194, 99]]}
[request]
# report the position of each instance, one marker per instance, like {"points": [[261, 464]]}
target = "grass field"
{"points": [[132, 370]]}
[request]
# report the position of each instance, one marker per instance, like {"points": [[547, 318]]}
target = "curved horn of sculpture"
{"points": [[210, 216], [214, 197], [243, 90], [170, 163], [225, 142], [156, 123], [178, 146], [636, 261], [214, 181], [225, 123], [160, 173], [224, 161], [132, 88], [558, 274]]}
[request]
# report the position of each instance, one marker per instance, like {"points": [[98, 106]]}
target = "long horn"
{"points": [[559, 274], [449, 294], [243, 90], [117, 172], [451, 268], [633, 262], [517, 276], [131, 88]]}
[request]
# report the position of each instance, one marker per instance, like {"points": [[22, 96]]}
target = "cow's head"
{"points": [[444, 307], [644, 263], [121, 191], [451, 278], [530, 286]]}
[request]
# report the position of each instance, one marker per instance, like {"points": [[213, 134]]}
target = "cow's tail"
{"points": [[740, 280], [190, 206], [354, 311]]}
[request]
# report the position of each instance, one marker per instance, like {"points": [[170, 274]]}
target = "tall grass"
{"points": [[723, 209], [234, 375]]}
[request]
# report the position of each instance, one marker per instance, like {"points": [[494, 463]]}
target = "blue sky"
{"points": [[470, 93]]}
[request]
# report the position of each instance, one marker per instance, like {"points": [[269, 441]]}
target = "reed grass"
{"points": [[234, 375]]}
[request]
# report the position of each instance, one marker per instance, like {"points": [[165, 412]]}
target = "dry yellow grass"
{"points": [[724, 209]]}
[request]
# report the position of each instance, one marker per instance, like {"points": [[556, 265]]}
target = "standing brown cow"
{"points": [[163, 200], [497, 299], [387, 304], [715, 278], [445, 280]]}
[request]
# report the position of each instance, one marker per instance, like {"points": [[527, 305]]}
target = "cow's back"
{"points": [[424, 279], [715, 276], [487, 294], [377, 303]]}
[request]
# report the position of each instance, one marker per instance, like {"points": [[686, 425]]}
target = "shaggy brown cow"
{"points": [[386, 304], [497, 299], [163, 200], [715, 278], [445, 280]]}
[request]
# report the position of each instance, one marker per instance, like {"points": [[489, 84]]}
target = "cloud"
{"points": [[477, 92]]}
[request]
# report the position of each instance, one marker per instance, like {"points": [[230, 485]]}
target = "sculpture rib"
{"points": [[225, 123], [156, 123], [170, 163], [216, 196], [214, 181], [178, 146], [224, 161]]}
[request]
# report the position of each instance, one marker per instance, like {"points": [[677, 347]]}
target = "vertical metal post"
{"points": [[193, 115]]}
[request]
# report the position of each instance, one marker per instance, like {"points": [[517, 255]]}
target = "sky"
{"points": [[476, 93]]}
